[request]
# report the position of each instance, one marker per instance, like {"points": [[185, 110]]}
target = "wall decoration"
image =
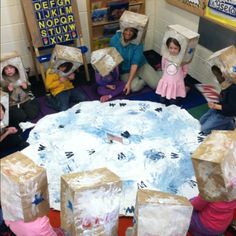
{"points": [[222, 12], [51, 21], [195, 6]]}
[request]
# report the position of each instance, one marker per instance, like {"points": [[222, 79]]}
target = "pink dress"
{"points": [[171, 84], [38, 227]]}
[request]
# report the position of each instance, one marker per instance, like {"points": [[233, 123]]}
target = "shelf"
{"points": [[104, 23], [96, 28]]}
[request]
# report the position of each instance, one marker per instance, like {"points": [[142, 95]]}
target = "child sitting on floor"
{"points": [[23, 105], [109, 85], [221, 115], [9, 136], [63, 92]]}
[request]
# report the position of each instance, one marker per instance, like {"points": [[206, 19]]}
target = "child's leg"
{"points": [[213, 120], [31, 109], [77, 95], [63, 100], [164, 100], [16, 115]]}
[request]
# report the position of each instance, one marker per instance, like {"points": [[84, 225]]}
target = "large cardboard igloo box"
{"points": [[90, 202], [214, 163], [24, 188], [62, 54], [225, 59], [187, 39], [105, 60], [137, 21], [159, 213]]}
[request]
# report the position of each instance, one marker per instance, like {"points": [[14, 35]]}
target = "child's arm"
{"points": [[9, 130], [52, 80], [185, 70], [198, 203]]}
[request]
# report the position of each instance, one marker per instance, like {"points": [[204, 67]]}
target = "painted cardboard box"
{"points": [[90, 202], [225, 59], [214, 163], [24, 188], [105, 60], [62, 54], [13, 59], [4, 99], [159, 213], [187, 39], [137, 21]]}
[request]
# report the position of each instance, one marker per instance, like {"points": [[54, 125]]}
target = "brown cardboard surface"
{"points": [[24, 188], [79, 191], [214, 163]]}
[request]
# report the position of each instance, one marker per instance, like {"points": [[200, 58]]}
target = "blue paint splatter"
{"points": [[38, 198]]}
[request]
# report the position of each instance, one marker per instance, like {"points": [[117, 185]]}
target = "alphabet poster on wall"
{"points": [[222, 11], [194, 6], [51, 21]]}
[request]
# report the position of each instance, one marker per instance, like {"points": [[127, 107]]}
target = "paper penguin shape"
{"points": [[159, 213], [90, 202], [134, 20], [62, 54], [24, 188], [5, 103], [187, 39], [13, 59], [225, 59], [105, 60], [214, 163]]}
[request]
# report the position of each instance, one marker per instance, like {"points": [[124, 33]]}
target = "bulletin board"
{"points": [[222, 12], [214, 36], [52, 22], [195, 6]]}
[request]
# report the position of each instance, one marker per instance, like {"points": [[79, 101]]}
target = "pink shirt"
{"points": [[214, 215], [39, 227]]}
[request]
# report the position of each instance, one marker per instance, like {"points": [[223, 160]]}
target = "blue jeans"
{"points": [[67, 98], [213, 120]]}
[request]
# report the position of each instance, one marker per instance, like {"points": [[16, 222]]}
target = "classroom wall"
{"points": [[167, 14]]}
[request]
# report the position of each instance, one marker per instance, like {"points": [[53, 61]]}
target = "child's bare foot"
{"points": [[111, 86], [105, 98]]}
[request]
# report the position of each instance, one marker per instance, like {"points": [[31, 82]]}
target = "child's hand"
{"points": [[211, 105], [71, 76], [24, 85], [11, 130], [10, 87], [62, 79], [127, 88]]}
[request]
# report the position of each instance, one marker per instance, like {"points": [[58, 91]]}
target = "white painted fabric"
{"points": [[156, 156]]}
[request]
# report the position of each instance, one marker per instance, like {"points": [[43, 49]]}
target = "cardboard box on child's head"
{"points": [[13, 59], [4, 100], [24, 188], [186, 38], [68, 57], [90, 202], [214, 163], [105, 60], [159, 213], [138, 21], [225, 59]]}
